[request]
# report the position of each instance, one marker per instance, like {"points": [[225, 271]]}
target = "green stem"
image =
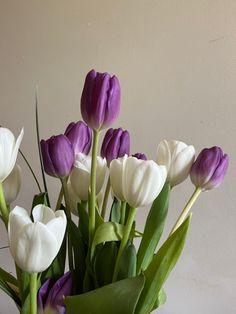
{"points": [[186, 209], [92, 203], [3, 205], [68, 215], [67, 198], [124, 241], [105, 200], [122, 213], [59, 200], [33, 293]]}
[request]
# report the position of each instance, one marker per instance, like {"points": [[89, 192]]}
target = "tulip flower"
{"points": [[140, 156], [209, 169], [34, 245], [58, 156], [8, 151], [116, 144], [137, 182], [80, 175], [52, 293], [80, 136], [100, 100], [178, 158], [12, 184]]}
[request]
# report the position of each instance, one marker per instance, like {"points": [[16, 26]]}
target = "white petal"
{"points": [[43, 213], [80, 180], [12, 184], [35, 248], [57, 226], [100, 173], [164, 154], [117, 175], [7, 143]]}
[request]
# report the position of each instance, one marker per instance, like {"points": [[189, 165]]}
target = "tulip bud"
{"points": [[100, 100], [8, 151], [209, 169], [116, 143], [178, 159], [80, 175], [58, 156], [52, 293], [12, 184], [80, 136], [34, 245], [140, 156], [137, 182]]}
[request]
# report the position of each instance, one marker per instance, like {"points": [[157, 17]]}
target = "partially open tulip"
{"points": [[80, 136], [12, 184], [100, 100], [8, 151], [140, 156], [209, 169], [35, 244], [52, 293], [80, 175], [137, 182], [116, 143], [178, 158], [58, 156]]}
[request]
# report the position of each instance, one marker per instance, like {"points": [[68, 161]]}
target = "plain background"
{"points": [[176, 62]]}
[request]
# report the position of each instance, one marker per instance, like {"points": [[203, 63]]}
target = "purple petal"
{"points": [[140, 156], [44, 292], [47, 162]]}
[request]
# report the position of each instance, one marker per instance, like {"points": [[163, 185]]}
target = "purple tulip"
{"points": [[209, 169], [58, 156], [52, 293], [100, 100], [116, 143], [140, 156], [80, 136]]}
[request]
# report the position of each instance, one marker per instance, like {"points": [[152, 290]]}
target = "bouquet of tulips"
{"points": [[78, 255]]}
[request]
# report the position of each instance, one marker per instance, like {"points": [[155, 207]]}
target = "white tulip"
{"points": [[137, 182], [12, 184], [80, 175], [8, 151], [178, 158], [34, 245]]}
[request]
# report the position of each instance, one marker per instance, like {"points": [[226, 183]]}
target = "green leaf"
{"points": [[118, 298], [115, 211], [127, 267], [161, 299], [104, 263], [79, 250], [161, 266], [40, 198], [153, 229], [83, 221], [10, 290], [7, 277], [109, 231]]}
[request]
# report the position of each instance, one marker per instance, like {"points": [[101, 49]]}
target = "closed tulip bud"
{"points": [[140, 156], [58, 156], [35, 244], [116, 143], [100, 100], [12, 184], [80, 175], [178, 158], [80, 136], [209, 169], [52, 293], [137, 182], [8, 151]]}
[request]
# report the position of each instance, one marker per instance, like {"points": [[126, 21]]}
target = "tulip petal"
{"points": [[42, 213], [57, 226], [35, 248]]}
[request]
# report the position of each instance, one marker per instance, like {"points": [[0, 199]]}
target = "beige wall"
{"points": [[176, 61]]}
